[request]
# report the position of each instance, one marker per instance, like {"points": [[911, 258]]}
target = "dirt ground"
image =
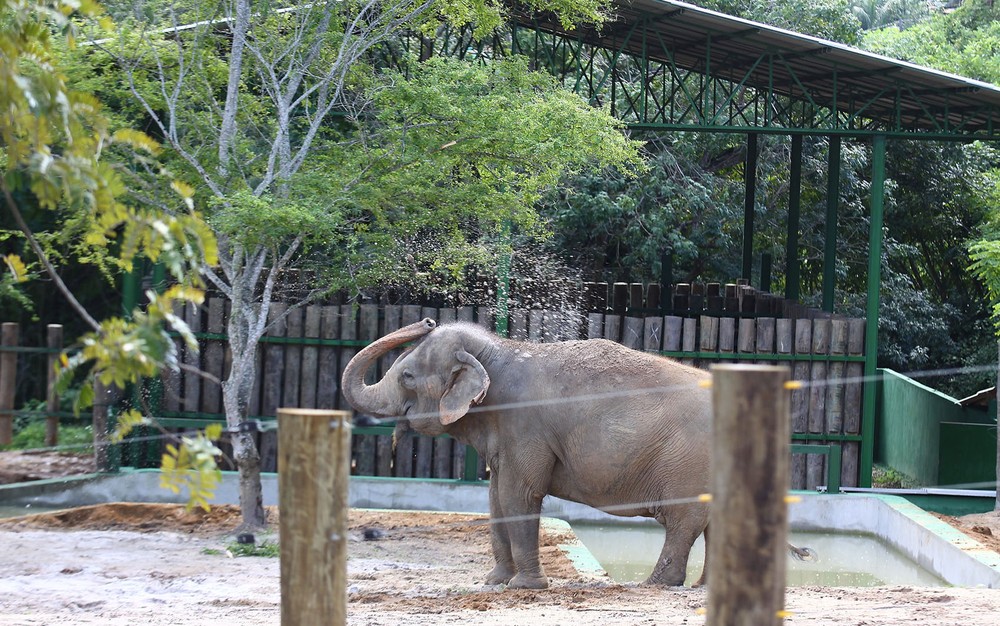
{"points": [[121, 564]]}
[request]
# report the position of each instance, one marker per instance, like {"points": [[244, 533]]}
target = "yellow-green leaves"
{"points": [[126, 423], [124, 351], [16, 267], [192, 466]]}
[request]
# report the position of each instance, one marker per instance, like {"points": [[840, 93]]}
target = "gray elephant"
{"points": [[589, 421]]}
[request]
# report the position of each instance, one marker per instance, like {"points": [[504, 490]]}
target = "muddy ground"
{"points": [[157, 565]]}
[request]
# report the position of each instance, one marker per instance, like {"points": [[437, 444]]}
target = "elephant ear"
{"points": [[468, 385]]}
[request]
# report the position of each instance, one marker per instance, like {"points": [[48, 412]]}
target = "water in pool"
{"points": [[7, 510], [628, 553]]}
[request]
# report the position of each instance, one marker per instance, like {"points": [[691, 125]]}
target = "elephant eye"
{"points": [[408, 380]]}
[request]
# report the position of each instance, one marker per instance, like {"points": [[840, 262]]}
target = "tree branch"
{"points": [[49, 269]]}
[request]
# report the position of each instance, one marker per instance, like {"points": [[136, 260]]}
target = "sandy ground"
{"points": [[157, 565]]}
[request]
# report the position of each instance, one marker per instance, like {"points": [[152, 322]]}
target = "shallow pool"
{"points": [[25, 509], [629, 551]]}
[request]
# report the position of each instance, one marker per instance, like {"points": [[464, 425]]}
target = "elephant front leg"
{"points": [[514, 522], [504, 569]]}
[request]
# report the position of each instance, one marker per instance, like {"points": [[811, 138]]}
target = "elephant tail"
{"points": [[803, 553]]}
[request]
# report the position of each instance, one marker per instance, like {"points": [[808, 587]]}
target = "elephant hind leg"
{"points": [[704, 570], [682, 528]]}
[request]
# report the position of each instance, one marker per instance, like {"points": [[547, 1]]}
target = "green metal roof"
{"points": [[710, 71]]}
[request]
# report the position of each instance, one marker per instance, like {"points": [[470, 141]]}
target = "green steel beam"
{"points": [[792, 265], [749, 203], [872, 310], [503, 281]]}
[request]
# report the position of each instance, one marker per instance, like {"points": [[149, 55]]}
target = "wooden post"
{"points": [[314, 451], [749, 515], [8, 380], [55, 342], [103, 399]]}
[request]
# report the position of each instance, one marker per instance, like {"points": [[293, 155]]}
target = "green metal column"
{"points": [[131, 282], [830, 245], [794, 211], [871, 311], [749, 203], [503, 280]]}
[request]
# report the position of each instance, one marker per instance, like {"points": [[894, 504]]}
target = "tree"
{"points": [[302, 147], [829, 19], [964, 42], [875, 14], [60, 154], [985, 266]]}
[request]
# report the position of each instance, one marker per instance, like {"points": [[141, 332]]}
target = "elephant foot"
{"points": [[523, 581], [661, 577], [500, 575]]}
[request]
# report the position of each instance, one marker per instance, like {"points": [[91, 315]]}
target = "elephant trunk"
{"points": [[367, 398]]}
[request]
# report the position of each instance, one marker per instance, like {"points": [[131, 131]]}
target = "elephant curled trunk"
{"points": [[368, 398]]}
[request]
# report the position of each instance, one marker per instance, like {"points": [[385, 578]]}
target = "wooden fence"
{"points": [[306, 349]]}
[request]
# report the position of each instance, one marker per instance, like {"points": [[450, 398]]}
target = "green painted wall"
{"points": [[908, 431], [968, 457]]}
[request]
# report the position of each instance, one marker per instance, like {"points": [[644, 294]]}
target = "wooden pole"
{"points": [[8, 380], [99, 424], [55, 342], [748, 522], [314, 451]]}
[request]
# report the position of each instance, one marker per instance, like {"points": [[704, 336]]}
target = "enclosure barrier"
{"points": [[305, 350]]}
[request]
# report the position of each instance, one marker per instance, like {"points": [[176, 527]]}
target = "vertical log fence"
{"points": [[306, 349]]}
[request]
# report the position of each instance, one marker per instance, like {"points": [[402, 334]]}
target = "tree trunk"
{"points": [[236, 392], [996, 482], [251, 495]]}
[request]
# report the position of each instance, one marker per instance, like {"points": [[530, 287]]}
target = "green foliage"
{"points": [[875, 14], [885, 477], [266, 549], [985, 266], [964, 42], [75, 439], [829, 19], [613, 226], [192, 466], [124, 351], [442, 172]]}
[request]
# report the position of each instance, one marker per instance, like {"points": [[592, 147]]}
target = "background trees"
{"points": [[309, 155]]}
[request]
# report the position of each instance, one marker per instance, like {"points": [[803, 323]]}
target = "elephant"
{"points": [[589, 421]]}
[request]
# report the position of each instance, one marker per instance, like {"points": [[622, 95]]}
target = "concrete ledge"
{"points": [[933, 544]]}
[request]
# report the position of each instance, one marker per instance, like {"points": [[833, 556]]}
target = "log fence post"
{"points": [[55, 343], [314, 452], [749, 513], [8, 380]]}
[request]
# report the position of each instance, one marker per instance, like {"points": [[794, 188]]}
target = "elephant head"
{"points": [[430, 386]]}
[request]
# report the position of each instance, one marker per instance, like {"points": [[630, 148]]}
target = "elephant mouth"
{"points": [[402, 427]]}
